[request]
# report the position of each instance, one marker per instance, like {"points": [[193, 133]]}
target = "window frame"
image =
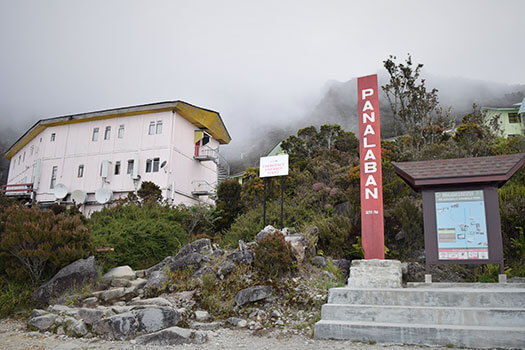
{"points": [[149, 165], [94, 135], [151, 130], [158, 127], [156, 165], [121, 130], [53, 137], [54, 173], [131, 165], [80, 171], [514, 118], [117, 167], [107, 133]]}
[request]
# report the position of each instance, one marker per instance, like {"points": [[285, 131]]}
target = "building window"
{"points": [[54, 172], [117, 168], [148, 166], [159, 127], [130, 166], [24, 157], [95, 135], [514, 118], [32, 150], [19, 159], [151, 128], [107, 133], [121, 131], [80, 172], [53, 137], [156, 163]]}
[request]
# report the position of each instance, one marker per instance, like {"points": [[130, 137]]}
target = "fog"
{"points": [[264, 65]]}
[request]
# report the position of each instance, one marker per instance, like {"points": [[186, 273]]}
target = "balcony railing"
{"points": [[16, 189], [203, 188]]}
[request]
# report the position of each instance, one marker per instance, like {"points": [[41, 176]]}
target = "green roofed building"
{"points": [[511, 118]]}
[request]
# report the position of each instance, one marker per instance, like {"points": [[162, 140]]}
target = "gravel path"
{"points": [[14, 336]]}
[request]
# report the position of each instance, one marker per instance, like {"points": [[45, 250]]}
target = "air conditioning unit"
{"points": [[104, 169]]}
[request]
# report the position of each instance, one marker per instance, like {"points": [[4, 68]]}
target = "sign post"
{"points": [[270, 167], [372, 227]]}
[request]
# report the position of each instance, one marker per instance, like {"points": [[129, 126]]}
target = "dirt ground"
{"points": [[14, 335]]}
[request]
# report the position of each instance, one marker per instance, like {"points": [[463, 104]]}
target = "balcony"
{"points": [[203, 188], [17, 190]]}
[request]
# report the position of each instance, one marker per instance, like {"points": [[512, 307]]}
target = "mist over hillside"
{"points": [[338, 105]]}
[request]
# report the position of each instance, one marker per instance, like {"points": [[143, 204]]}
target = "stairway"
{"points": [[481, 315]]}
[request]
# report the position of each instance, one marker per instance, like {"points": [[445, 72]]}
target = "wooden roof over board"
{"points": [[493, 169]]}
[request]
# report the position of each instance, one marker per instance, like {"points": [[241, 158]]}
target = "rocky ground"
{"points": [[15, 336]]}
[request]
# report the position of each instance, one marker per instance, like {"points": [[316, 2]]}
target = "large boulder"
{"points": [[268, 230], [194, 260], [156, 282], [298, 245], [201, 246], [252, 294], [144, 320], [121, 272], [173, 336], [42, 323], [241, 257], [73, 275]]}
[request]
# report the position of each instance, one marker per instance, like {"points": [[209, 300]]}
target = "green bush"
{"points": [[273, 256], [35, 243], [336, 236], [142, 235], [229, 203], [15, 297]]}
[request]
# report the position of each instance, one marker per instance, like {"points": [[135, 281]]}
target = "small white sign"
{"points": [[274, 166]]}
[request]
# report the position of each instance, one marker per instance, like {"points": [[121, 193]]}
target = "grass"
{"points": [[15, 299]]}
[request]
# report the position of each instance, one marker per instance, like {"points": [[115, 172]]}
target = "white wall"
{"points": [[73, 146]]}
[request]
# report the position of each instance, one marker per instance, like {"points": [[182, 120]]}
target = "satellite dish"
{"points": [[78, 197], [60, 191], [103, 195], [163, 164]]}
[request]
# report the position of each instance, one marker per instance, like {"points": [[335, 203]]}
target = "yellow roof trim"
{"points": [[200, 117]]}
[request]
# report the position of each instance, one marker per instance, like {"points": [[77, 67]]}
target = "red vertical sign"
{"points": [[372, 228]]}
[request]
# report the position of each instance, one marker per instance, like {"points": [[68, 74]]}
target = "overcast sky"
{"points": [[253, 61]]}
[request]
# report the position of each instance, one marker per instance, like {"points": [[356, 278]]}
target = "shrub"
{"points": [[14, 297], [36, 243], [336, 236], [142, 235], [149, 191], [273, 256], [229, 203]]}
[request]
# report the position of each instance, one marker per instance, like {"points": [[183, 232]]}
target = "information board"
{"points": [[461, 225], [273, 166]]}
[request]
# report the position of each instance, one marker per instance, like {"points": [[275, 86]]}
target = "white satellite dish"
{"points": [[163, 164], [103, 195], [78, 197], [60, 191]]}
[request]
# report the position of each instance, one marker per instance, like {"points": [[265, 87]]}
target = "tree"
{"points": [[416, 111], [149, 192], [229, 203]]}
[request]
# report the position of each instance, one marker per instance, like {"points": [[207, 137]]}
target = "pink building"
{"points": [[97, 157]]}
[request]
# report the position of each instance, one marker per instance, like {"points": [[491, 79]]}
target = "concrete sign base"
{"points": [[375, 273]]}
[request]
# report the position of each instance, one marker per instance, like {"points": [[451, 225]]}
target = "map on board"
{"points": [[461, 225]]}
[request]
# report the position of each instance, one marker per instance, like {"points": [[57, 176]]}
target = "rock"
{"points": [[115, 294], [90, 316], [203, 271], [38, 312], [120, 282], [217, 252], [319, 261], [121, 272], [206, 326], [138, 283], [62, 310], [344, 265], [202, 315], [173, 336], [276, 313], [279, 322], [225, 269], [252, 294], [60, 330], [268, 230], [298, 244], [73, 275], [152, 301], [140, 273], [156, 281], [159, 267], [78, 328], [201, 246], [42, 323], [241, 257], [91, 301], [237, 322], [144, 320], [194, 260]]}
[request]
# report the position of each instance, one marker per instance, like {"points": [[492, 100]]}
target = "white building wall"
{"points": [[73, 146]]}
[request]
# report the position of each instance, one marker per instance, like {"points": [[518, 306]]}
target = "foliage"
{"points": [[149, 192], [36, 243], [15, 297], [414, 108], [273, 256], [228, 204], [336, 235], [142, 235], [5, 202], [198, 219]]}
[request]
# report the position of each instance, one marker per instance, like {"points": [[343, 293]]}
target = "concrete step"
{"points": [[422, 334], [470, 316], [449, 297], [466, 285]]}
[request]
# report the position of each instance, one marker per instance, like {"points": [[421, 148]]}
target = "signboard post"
{"points": [[372, 227], [270, 167]]}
